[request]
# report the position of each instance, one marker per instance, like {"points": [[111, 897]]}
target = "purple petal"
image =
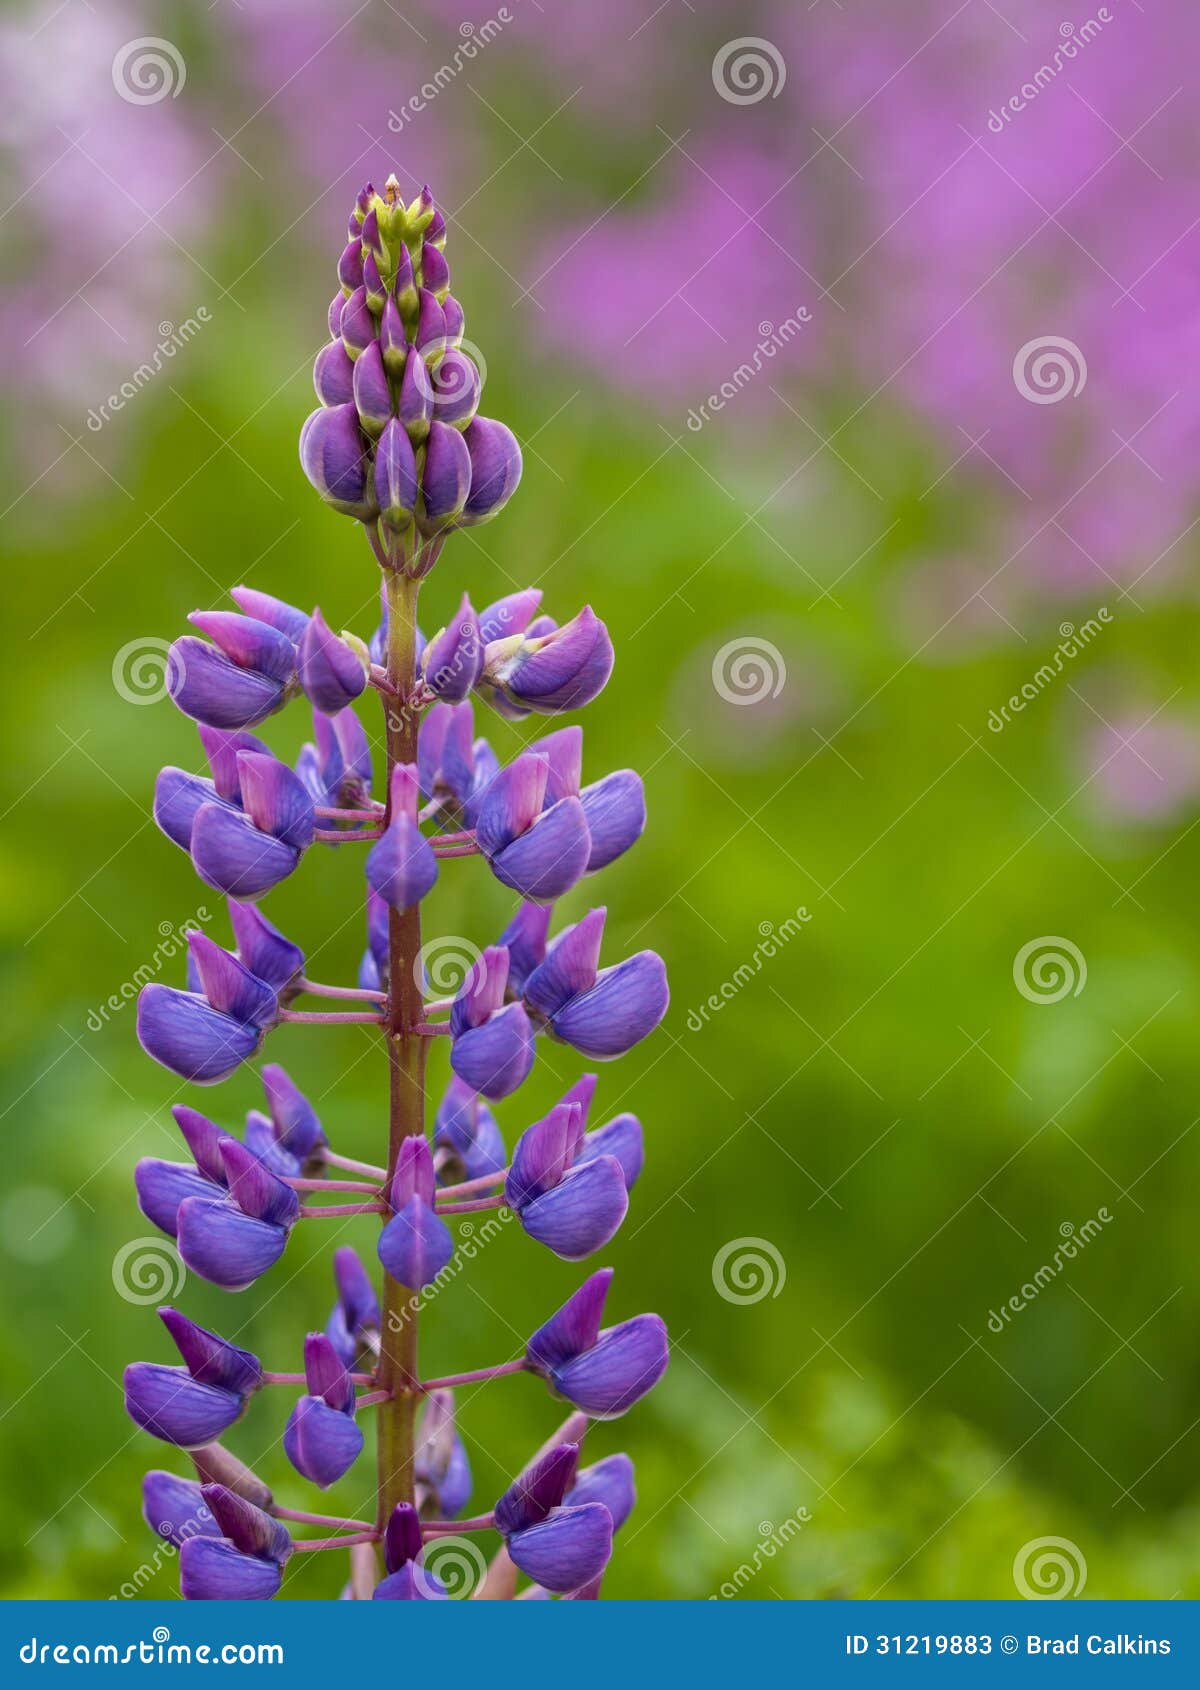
{"points": [[263, 948], [415, 1245], [229, 985], [333, 375], [496, 1058], [445, 479], [212, 1570], [569, 1547], [609, 1481], [582, 1213], [543, 1154], [452, 659], [294, 1118], [572, 1329], [482, 990], [525, 940], [279, 614], [321, 1444], [169, 1404], [615, 808], [350, 266], [229, 853], [210, 1358], [625, 1004], [456, 390], [372, 396], [411, 1584], [413, 1176], [466, 1126], [249, 643], [512, 804], [246, 1525], [332, 457], [401, 866], [569, 968], [226, 1247], [537, 1490], [628, 1361], [415, 408], [177, 797], [392, 338], [564, 670], [431, 324], [202, 1138], [621, 1137], [434, 268], [221, 747], [495, 468], [255, 1189], [209, 687], [193, 1040], [452, 311], [162, 1186], [395, 475], [275, 799], [509, 615], [402, 1537], [550, 857], [174, 1508], [330, 672], [357, 324], [564, 748]]}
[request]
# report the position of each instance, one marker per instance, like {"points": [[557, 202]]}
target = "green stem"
{"points": [[397, 1370]]}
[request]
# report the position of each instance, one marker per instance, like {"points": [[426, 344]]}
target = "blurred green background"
{"points": [[900, 1133]]}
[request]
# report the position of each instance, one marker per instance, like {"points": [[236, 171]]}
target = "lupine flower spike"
{"points": [[399, 444]]}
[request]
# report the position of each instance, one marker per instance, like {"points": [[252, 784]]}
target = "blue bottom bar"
{"points": [[612, 1645]]}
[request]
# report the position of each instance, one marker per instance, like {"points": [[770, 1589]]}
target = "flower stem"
{"points": [[456, 851], [470, 1206], [309, 1213], [397, 1372], [362, 994], [331, 1017], [479, 1375], [351, 1166], [299, 1184], [335, 836], [451, 1528], [332, 813], [469, 1187], [335, 1542], [372, 1398], [304, 1519], [302, 1379]]}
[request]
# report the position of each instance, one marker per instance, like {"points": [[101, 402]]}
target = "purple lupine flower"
{"points": [[398, 445], [331, 672], [244, 677], [415, 1245], [492, 1041], [451, 662], [193, 1404], [407, 1580], [602, 1012], [540, 849], [176, 1509], [466, 1138], [559, 1547], [573, 1207], [401, 865], [245, 1564], [233, 1240], [602, 1372], [321, 1439], [440, 1461], [549, 672], [353, 1326]]}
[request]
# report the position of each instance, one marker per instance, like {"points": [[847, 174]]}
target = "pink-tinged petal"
{"points": [[229, 985], [572, 1329], [275, 798], [569, 967], [209, 687], [249, 643]]}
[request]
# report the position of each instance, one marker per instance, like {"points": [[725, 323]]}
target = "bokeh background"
{"points": [[822, 591]]}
